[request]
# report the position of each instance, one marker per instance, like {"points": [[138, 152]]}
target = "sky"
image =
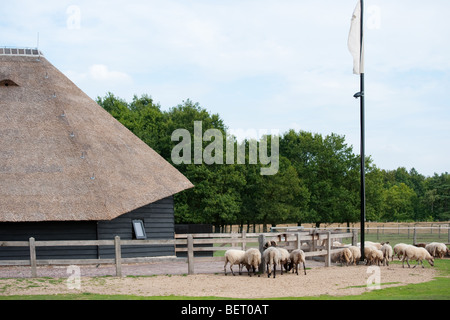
{"points": [[262, 65]]}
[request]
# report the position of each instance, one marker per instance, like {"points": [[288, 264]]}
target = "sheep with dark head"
{"points": [[296, 257], [272, 258], [252, 260]]}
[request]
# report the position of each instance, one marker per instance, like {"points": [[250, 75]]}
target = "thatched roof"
{"points": [[63, 157]]}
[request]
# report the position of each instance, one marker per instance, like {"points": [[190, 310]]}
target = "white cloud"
{"points": [[100, 72]]}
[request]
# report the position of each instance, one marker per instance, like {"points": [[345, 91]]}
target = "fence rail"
{"points": [[414, 234], [315, 244]]}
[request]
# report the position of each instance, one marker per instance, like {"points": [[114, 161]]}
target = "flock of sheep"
{"points": [[273, 256], [374, 253]]}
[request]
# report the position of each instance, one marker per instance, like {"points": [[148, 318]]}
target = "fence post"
{"points": [[244, 244], [33, 263], [328, 256], [313, 239], [299, 244], [414, 236], [190, 255], [262, 242], [118, 252], [355, 237], [448, 233]]}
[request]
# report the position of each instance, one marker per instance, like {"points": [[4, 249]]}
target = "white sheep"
{"points": [[436, 249], [252, 259], [284, 259], [387, 253], [272, 258], [399, 249], [377, 256], [296, 257], [418, 254], [368, 253], [337, 244], [377, 245], [344, 254], [372, 255], [356, 254], [234, 257]]}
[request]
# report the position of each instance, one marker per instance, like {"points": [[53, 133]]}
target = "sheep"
{"points": [[399, 249], [418, 254], [356, 254], [436, 249], [284, 259], [377, 245], [377, 256], [270, 244], [372, 255], [337, 244], [296, 257], [271, 258], [233, 257], [252, 259], [368, 254], [344, 254], [441, 249], [387, 253]]}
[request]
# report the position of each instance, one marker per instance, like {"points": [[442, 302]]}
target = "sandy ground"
{"points": [[335, 280]]}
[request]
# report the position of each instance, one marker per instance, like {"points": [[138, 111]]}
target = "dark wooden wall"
{"points": [[193, 229], [158, 221]]}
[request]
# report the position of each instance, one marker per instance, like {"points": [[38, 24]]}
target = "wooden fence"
{"points": [[313, 243]]}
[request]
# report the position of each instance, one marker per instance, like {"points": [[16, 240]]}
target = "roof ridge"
{"points": [[20, 51]]}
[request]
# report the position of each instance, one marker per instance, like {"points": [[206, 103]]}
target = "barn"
{"points": [[70, 171]]}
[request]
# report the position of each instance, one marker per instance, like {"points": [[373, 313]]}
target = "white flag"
{"points": [[354, 41]]}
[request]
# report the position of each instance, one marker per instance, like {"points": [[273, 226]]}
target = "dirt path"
{"points": [[334, 280]]}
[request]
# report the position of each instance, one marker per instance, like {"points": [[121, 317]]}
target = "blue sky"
{"points": [[273, 65]]}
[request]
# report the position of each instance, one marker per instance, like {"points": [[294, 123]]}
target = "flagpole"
{"points": [[362, 114]]}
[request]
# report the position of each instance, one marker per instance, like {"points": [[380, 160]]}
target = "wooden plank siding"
{"points": [[158, 221]]}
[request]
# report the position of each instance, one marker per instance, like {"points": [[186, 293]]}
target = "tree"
{"points": [[374, 194], [398, 203], [329, 170], [282, 197], [437, 196], [318, 178]]}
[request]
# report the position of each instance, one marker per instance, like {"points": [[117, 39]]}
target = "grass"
{"points": [[437, 289]]}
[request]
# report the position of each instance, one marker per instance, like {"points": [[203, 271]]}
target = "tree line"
{"points": [[318, 177]]}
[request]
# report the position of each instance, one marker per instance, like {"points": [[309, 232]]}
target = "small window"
{"points": [[139, 230]]}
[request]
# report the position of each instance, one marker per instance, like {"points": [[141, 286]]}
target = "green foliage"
{"points": [[318, 178]]}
